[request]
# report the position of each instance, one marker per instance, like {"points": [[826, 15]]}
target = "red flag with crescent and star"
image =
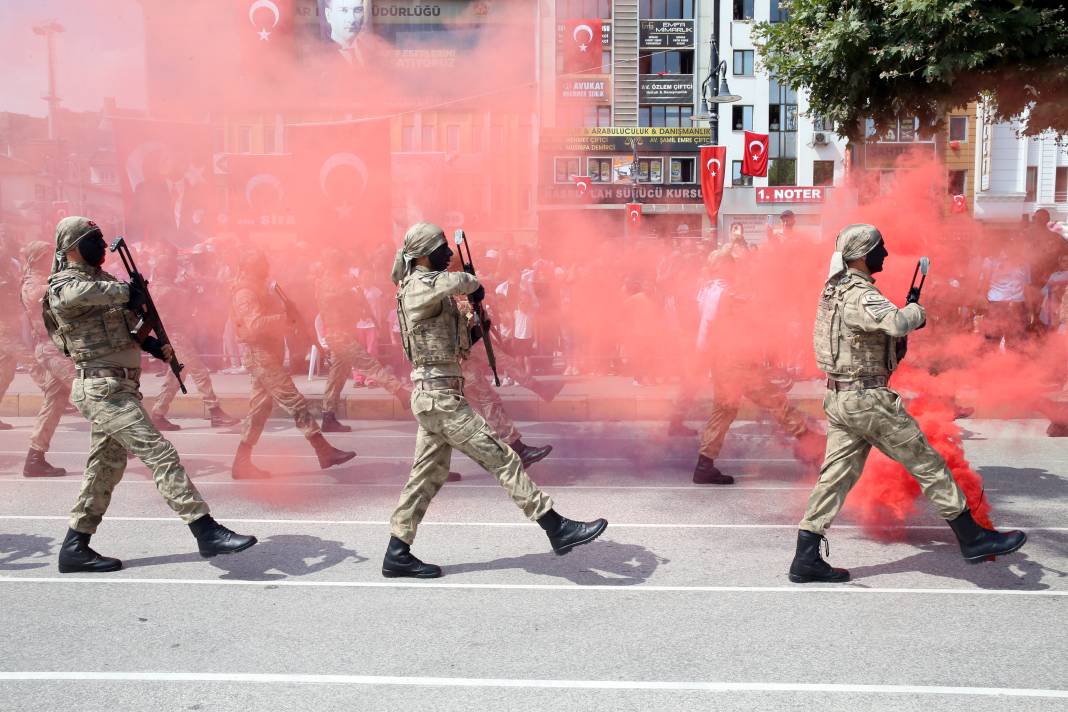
{"points": [[756, 155], [582, 45], [260, 193], [265, 36], [713, 172], [960, 204], [634, 215], [582, 187], [341, 179]]}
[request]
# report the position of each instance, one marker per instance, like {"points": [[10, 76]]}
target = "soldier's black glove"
{"points": [[153, 346], [478, 295], [138, 297], [470, 269]]}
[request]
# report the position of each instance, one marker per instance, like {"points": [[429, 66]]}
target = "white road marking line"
{"points": [[614, 525], [620, 588], [272, 484], [665, 685]]}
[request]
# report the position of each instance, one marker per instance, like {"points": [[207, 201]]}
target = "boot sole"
{"points": [[403, 574], [795, 578], [587, 540], [991, 557], [50, 474], [213, 554], [80, 570]]}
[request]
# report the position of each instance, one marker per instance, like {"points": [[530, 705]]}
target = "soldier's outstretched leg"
{"points": [[346, 354], [56, 392], [724, 410], [197, 372], [484, 398]]}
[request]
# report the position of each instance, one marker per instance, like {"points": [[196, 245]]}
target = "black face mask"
{"points": [[440, 258], [92, 249], [874, 259]]}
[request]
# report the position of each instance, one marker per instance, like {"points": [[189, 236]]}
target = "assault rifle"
{"points": [[481, 322], [294, 316], [150, 319]]}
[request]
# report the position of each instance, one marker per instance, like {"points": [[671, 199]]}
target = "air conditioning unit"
{"points": [[820, 138]]}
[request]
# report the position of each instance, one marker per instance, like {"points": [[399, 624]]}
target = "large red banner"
{"points": [[582, 46], [261, 192], [341, 179], [755, 162], [713, 172], [166, 180]]}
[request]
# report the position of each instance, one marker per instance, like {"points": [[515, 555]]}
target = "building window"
{"points": [[821, 123], [898, 131], [782, 122], [583, 9], [669, 62], [606, 61], [778, 12], [599, 170], [650, 170], [957, 180], [666, 9], [428, 139], [958, 128], [1060, 187], [736, 175], [782, 171], [743, 9], [743, 63], [268, 139], [596, 116], [566, 169], [673, 115], [742, 118], [452, 139], [823, 173], [682, 170], [1031, 184]]}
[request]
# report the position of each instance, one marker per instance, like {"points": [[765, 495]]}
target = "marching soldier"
{"points": [[859, 340], [436, 338], [90, 316], [261, 323]]}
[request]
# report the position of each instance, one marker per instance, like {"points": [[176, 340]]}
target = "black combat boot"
{"points": [[565, 534], [529, 455], [454, 477], [977, 543], [706, 473], [214, 539], [220, 418], [243, 469], [548, 389], [808, 566], [400, 562], [331, 424], [678, 429], [75, 556], [328, 454], [162, 424], [1057, 430], [6, 426], [37, 466]]}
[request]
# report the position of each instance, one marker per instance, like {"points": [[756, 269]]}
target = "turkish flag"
{"points": [[960, 204], [582, 185], [260, 192], [265, 33], [167, 184], [755, 162], [341, 178], [582, 45], [713, 173], [634, 214]]}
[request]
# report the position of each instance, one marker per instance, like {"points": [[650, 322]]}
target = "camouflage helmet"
{"points": [[69, 232], [421, 239], [853, 242]]}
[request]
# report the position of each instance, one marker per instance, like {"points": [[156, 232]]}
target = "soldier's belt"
{"points": [[859, 384], [441, 383], [132, 374]]}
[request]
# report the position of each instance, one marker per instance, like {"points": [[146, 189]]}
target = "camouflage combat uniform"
{"points": [[857, 335], [93, 325], [436, 339], [169, 299], [13, 349]]}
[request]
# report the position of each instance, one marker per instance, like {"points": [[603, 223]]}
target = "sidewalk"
{"points": [[606, 398]]}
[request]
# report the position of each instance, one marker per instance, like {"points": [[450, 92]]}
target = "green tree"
{"points": [[923, 58]]}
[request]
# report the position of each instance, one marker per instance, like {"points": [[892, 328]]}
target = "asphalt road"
{"points": [[684, 604]]}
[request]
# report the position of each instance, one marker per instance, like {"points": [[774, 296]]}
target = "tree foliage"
{"points": [[923, 58]]}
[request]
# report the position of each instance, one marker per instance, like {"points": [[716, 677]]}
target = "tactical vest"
{"points": [[89, 332], [845, 353], [438, 339]]}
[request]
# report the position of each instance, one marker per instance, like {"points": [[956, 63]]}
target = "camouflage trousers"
{"points": [[57, 377], [446, 421], [194, 369], [858, 420], [13, 351], [731, 385], [271, 384], [485, 399], [347, 353], [119, 423]]}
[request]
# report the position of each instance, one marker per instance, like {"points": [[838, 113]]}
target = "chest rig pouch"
{"points": [[442, 337], [85, 333], [827, 335]]}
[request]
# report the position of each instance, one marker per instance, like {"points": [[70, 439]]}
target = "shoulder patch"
{"points": [[877, 305]]}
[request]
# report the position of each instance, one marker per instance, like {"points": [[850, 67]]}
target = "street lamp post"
{"points": [[49, 30], [714, 90]]}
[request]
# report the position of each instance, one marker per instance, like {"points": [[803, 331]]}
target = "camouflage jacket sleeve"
{"points": [[249, 309], [866, 309], [76, 293], [426, 289]]}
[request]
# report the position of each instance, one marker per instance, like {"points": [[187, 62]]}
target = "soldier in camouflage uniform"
{"points": [[340, 306], [169, 299], [436, 337], [90, 316], [56, 369], [859, 340], [13, 349], [261, 324]]}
